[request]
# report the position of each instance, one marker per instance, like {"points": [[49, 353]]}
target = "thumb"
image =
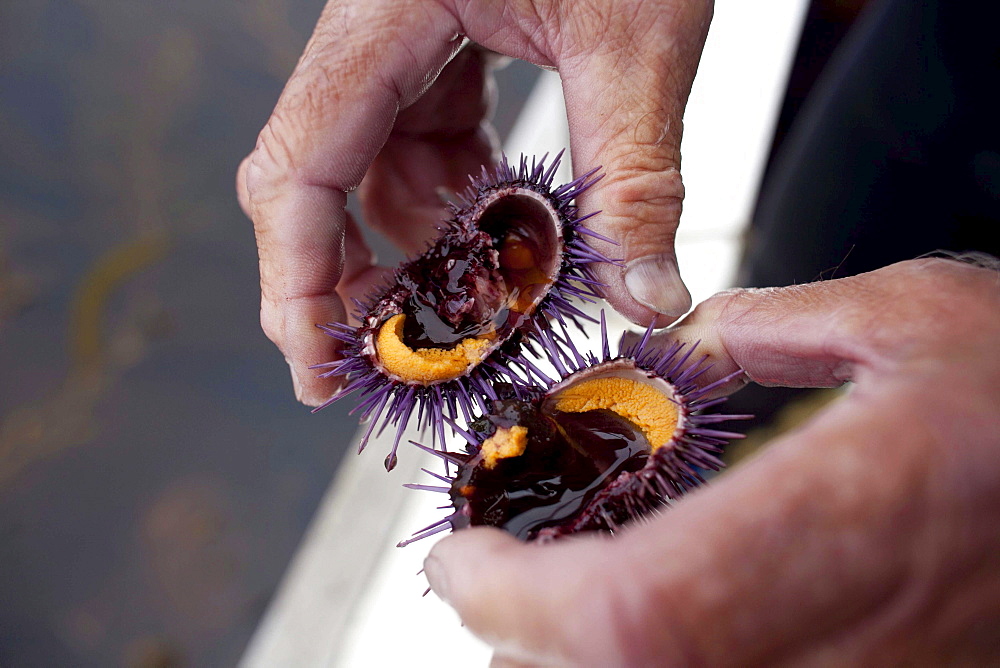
{"points": [[535, 604], [625, 101]]}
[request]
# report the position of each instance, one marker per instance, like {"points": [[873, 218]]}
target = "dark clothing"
{"points": [[895, 152]]}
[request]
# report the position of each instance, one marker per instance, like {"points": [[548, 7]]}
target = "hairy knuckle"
{"points": [[727, 305]]}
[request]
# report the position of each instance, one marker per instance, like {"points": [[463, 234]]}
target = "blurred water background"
{"points": [[156, 474]]}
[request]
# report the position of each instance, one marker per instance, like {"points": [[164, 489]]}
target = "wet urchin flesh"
{"points": [[448, 328], [611, 439]]}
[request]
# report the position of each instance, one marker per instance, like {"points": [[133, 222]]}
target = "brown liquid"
{"points": [[570, 458], [455, 292], [476, 284]]}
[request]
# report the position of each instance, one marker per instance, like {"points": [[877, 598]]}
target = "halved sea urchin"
{"points": [[446, 329], [612, 439]]}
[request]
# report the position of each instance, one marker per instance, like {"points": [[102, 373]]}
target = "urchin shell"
{"points": [[673, 465], [511, 258]]}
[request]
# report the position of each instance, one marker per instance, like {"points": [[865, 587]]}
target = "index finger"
{"points": [[329, 123]]}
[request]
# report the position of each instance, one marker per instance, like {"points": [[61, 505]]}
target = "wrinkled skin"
{"points": [[386, 99], [867, 536]]}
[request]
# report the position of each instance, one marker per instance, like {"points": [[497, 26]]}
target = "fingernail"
{"points": [[296, 385], [655, 282], [436, 578]]}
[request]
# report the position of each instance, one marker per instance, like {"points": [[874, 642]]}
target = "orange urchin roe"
{"points": [[505, 442], [642, 404], [425, 365]]}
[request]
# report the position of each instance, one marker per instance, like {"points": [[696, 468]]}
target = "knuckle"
{"points": [[271, 323], [272, 158], [727, 304], [643, 202], [645, 182], [266, 169], [242, 192]]}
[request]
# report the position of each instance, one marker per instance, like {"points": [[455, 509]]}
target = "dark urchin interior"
{"points": [[558, 484], [484, 276], [453, 292]]}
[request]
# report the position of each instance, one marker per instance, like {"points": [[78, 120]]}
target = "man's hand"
{"points": [[867, 536], [386, 98]]}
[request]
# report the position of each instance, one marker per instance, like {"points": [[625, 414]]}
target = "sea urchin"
{"points": [[612, 439], [444, 331]]}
